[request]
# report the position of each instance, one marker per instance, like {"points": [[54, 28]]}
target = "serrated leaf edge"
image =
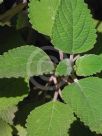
{"points": [[95, 31], [94, 73], [74, 118], [25, 46]]}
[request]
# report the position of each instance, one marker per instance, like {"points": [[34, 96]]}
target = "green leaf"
{"points": [[63, 68], [88, 65], [98, 46], [26, 106], [12, 91], [99, 28], [8, 114], [85, 98], [5, 129], [24, 61], [73, 31], [1, 1], [21, 130], [51, 119], [42, 14]]}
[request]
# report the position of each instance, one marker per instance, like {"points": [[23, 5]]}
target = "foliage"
{"points": [[50, 68]]}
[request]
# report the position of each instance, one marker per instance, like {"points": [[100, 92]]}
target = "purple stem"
{"points": [[24, 1], [61, 55]]}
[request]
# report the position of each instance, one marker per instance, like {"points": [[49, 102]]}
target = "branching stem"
{"points": [[74, 78], [57, 91], [75, 58], [71, 59], [61, 55]]}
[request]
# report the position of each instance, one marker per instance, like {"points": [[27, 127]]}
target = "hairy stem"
{"points": [[55, 95], [57, 91], [74, 78], [24, 1], [61, 55], [75, 58], [71, 58]]}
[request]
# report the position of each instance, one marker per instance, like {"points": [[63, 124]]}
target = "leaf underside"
{"points": [[73, 31], [85, 98]]}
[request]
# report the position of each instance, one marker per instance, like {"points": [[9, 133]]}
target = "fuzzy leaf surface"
{"points": [[8, 114], [24, 62], [73, 31], [5, 129], [88, 65], [42, 14], [21, 130], [63, 68], [12, 91], [51, 119], [85, 98]]}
